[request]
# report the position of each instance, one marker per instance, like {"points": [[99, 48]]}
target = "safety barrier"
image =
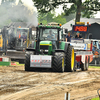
{"points": [[5, 61]]}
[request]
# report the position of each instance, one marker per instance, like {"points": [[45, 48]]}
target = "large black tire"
{"points": [[58, 62], [82, 66], [27, 62], [70, 59]]}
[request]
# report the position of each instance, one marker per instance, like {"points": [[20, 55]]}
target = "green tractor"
{"points": [[49, 51]]}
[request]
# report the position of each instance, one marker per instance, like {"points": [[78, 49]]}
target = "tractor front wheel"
{"points": [[27, 61], [58, 62]]}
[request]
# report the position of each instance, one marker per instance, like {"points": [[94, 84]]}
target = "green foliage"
{"points": [[87, 8], [60, 19], [70, 17], [46, 18], [90, 7]]}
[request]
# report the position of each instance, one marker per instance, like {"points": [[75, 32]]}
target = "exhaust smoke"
{"points": [[18, 12]]}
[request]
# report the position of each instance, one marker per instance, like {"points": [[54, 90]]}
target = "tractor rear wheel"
{"points": [[27, 62], [70, 59], [82, 67], [59, 62]]}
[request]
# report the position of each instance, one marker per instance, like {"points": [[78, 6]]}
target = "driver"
{"points": [[24, 37], [51, 35]]}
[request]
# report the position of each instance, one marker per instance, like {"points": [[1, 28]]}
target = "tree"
{"points": [[86, 9], [60, 19], [46, 18]]}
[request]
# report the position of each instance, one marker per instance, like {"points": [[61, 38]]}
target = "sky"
{"points": [[58, 10], [28, 3]]}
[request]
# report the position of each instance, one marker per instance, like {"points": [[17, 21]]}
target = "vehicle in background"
{"points": [[23, 39], [3, 41], [84, 31]]}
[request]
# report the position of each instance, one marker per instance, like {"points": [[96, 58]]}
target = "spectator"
{"points": [[68, 37], [78, 36]]}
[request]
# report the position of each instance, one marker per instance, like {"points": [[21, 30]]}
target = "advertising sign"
{"points": [[79, 46]]}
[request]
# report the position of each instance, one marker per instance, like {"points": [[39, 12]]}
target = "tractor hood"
{"points": [[46, 47], [47, 43]]}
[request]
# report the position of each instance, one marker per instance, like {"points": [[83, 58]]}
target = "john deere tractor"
{"points": [[49, 51]]}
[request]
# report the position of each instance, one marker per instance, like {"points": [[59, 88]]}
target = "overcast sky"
{"points": [[59, 10]]}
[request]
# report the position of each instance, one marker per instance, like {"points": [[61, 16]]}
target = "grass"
{"points": [[94, 67], [17, 64], [95, 99]]}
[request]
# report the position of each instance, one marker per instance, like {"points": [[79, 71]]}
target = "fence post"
{"points": [[95, 62], [67, 96]]}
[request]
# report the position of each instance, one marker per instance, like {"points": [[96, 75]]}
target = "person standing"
{"points": [[68, 37], [78, 36]]}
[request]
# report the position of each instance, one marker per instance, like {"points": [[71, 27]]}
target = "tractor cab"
{"points": [[49, 35], [23, 38], [48, 38]]}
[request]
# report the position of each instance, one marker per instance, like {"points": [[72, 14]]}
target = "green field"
{"points": [[94, 67], [95, 99]]}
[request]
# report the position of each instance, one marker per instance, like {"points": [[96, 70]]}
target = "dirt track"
{"points": [[16, 84]]}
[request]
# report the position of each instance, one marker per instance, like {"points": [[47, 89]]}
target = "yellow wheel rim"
{"points": [[72, 59], [62, 62]]}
